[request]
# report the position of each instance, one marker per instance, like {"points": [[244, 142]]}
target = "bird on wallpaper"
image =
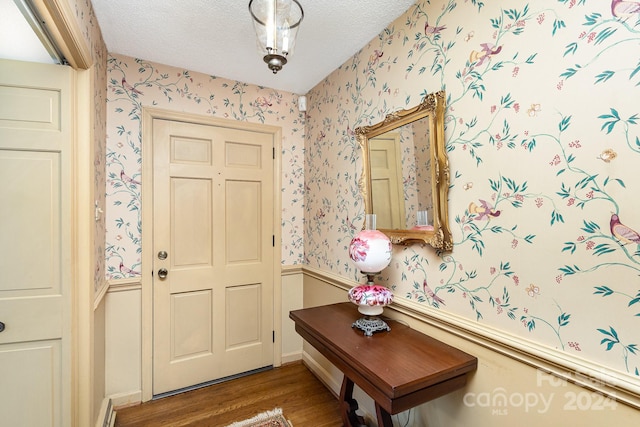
{"points": [[488, 50], [624, 9], [127, 270], [263, 102], [427, 290], [428, 29], [485, 210], [125, 178], [350, 224], [375, 56], [130, 88], [623, 233]]}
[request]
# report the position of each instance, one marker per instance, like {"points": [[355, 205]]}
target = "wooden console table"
{"points": [[399, 369]]}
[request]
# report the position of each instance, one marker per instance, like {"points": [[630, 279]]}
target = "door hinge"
{"points": [[273, 149], [273, 240], [273, 333]]}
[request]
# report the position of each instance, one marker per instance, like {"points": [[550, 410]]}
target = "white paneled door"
{"points": [[213, 253], [35, 244], [386, 181]]}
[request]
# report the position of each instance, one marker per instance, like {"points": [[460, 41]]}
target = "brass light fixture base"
{"points": [[275, 62]]}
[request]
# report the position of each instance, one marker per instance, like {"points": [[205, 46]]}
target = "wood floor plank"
{"points": [[304, 400]]}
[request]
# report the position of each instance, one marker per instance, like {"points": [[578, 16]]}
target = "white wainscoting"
{"points": [[515, 383], [292, 278], [123, 347]]}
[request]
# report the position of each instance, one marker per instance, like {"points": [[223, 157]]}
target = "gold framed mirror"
{"points": [[405, 174]]}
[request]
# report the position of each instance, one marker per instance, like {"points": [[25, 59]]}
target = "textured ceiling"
{"points": [[216, 37]]}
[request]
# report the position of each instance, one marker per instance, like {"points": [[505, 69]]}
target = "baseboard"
{"points": [[122, 400], [335, 384], [291, 357], [323, 375], [107, 416]]}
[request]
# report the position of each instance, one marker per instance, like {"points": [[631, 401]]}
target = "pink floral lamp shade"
{"points": [[370, 251]]}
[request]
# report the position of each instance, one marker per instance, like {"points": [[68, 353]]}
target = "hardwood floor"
{"points": [[304, 400]]}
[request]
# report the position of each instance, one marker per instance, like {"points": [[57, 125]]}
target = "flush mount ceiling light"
{"points": [[276, 23]]}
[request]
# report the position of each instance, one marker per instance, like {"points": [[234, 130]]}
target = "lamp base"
{"points": [[371, 324]]}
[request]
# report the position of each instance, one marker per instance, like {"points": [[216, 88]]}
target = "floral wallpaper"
{"points": [[91, 32], [543, 141], [136, 83], [542, 138]]}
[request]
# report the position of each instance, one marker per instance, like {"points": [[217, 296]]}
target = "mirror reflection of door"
{"points": [[386, 181], [401, 187]]}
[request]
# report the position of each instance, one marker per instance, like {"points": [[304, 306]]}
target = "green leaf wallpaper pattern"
{"points": [[536, 107], [543, 143]]}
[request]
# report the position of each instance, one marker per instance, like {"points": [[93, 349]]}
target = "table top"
{"points": [[391, 364]]}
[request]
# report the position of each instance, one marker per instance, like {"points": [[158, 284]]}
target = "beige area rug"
{"points": [[272, 418]]}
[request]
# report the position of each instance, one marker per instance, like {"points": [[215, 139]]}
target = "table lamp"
{"points": [[370, 251]]}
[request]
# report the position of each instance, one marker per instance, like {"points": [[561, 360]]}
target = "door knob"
{"points": [[162, 273], [1, 326]]}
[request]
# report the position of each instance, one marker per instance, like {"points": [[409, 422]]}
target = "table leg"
{"points": [[384, 418], [349, 405]]}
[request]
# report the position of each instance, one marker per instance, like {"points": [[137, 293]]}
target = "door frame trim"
{"points": [[148, 115]]}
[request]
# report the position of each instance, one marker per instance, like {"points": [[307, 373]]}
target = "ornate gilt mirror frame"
{"points": [[434, 165]]}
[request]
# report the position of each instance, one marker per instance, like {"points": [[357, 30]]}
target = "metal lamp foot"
{"points": [[371, 324]]}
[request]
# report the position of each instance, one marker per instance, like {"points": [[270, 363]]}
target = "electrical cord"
{"points": [[406, 423]]}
